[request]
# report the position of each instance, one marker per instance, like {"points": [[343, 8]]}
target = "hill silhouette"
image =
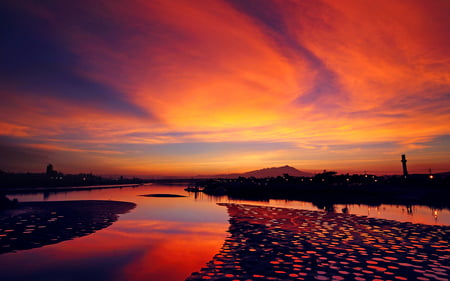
{"points": [[275, 172], [263, 173]]}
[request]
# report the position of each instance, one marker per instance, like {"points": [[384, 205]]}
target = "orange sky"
{"points": [[201, 87]]}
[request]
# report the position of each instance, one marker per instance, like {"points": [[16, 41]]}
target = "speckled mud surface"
{"points": [[36, 224], [268, 243]]}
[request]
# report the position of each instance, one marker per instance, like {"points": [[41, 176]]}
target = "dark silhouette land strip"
{"points": [[328, 188], [269, 243], [36, 224], [54, 180]]}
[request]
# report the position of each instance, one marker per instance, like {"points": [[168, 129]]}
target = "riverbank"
{"points": [[330, 191], [268, 243]]}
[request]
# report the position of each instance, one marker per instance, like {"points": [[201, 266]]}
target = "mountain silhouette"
{"points": [[263, 173], [275, 172]]}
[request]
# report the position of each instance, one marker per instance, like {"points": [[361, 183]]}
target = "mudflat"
{"points": [[270, 243], [36, 224]]}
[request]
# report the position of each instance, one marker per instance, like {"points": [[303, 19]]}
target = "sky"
{"points": [[210, 86]]}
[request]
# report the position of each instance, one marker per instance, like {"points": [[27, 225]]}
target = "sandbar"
{"points": [[36, 224], [271, 243]]}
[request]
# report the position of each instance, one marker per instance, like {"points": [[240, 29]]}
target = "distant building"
{"points": [[405, 170], [50, 169]]}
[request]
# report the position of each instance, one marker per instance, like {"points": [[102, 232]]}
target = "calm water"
{"points": [[161, 239]]}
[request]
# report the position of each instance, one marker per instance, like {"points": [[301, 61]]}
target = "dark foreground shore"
{"points": [[268, 243], [36, 224]]}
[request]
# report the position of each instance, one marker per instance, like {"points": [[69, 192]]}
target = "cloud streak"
{"points": [[296, 76]]}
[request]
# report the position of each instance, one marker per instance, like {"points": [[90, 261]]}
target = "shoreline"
{"points": [[327, 195], [20, 190]]}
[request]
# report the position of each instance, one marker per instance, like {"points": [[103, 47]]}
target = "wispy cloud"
{"points": [[114, 76]]}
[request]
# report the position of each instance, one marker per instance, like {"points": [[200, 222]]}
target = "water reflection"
{"points": [[36, 224], [404, 213], [435, 215], [132, 250], [161, 239]]}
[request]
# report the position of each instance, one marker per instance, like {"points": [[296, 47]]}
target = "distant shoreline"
{"points": [[325, 192], [20, 190]]}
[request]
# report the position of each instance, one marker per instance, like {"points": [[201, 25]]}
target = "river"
{"points": [[162, 238]]}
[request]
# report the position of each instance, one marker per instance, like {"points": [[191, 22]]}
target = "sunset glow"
{"points": [[211, 87]]}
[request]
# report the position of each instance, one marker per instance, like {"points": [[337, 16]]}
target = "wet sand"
{"points": [[36, 224], [269, 243]]}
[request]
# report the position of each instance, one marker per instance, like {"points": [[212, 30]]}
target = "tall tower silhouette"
{"points": [[405, 170]]}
